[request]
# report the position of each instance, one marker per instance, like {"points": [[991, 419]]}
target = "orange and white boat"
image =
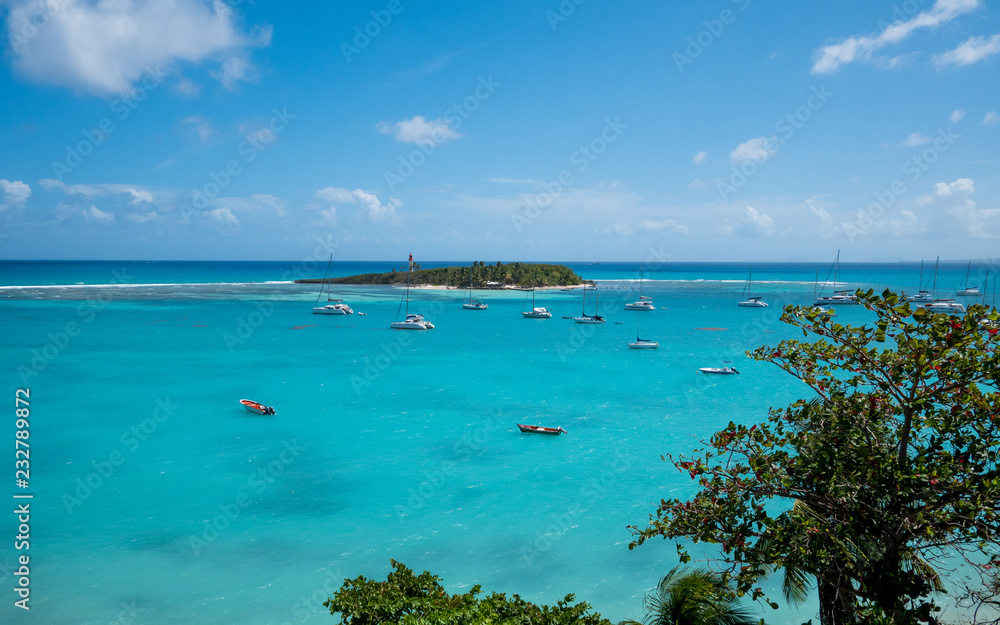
{"points": [[257, 407]]}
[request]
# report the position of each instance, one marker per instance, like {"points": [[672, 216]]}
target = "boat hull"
{"points": [[588, 319], [752, 304], [644, 345], [537, 429], [339, 309], [475, 306], [639, 306], [715, 371], [536, 315], [256, 407], [411, 325]]}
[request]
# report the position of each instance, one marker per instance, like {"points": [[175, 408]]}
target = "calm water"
{"points": [[158, 498]]}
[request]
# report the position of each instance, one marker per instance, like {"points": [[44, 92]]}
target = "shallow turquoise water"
{"points": [[386, 444]]}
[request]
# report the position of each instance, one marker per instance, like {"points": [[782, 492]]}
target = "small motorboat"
{"points": [[719, 370], [537, 429], [257, 407]]}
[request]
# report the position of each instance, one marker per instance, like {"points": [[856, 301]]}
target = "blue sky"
{"points": [[531, 130]]}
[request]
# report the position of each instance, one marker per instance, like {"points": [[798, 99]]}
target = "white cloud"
{"points": [[223, 215], [956, 116], [954, 213], [916, 139], [669, 225], [824, 216], [135, 194], [139, 196], [962, 186], [971, 51], [862, 47], [371, 207], [755, 223], [700, 157], [271, 201], [419, 130], [201, 126], [105, 47], [15, 192], [50, 184], [757, 149], [141, 218], [98, 215], [991, 118]]}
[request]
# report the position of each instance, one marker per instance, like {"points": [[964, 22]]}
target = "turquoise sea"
{"points": [[159, 500]]}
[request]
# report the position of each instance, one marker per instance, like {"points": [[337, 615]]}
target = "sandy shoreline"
{"points": [[432, 287]]}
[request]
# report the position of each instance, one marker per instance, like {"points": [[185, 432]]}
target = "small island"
{"points": [[479, 276]]}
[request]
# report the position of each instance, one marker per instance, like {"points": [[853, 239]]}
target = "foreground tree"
{"points": [[890, 476], [698, 597], [409, 599]]}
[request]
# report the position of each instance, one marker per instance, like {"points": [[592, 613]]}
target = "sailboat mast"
{"points": [[934, 288], [326, 281], [409, 270]]}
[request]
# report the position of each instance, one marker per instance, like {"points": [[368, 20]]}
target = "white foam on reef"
{"points": [[137, 285]]}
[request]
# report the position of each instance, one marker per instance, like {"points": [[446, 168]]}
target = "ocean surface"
{"points": [[159, 500]]}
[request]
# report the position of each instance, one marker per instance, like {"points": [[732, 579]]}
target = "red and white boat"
{"points": [[537, 429], [257, 407]]}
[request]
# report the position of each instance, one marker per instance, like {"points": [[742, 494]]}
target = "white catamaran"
{"points": [[332, 306], [968, 291], [411, 321], [839, 298], [644, 302], [473, 304], [751, 301]]}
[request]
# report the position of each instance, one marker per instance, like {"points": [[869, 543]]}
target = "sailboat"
{"points": [[473, 305], [750, 301], [536, 312], [644, 302], [411, 321], [842, 297], [942, 305], [584, 317], [641, 343], [332, 306], [968, 291], [923, 295]]}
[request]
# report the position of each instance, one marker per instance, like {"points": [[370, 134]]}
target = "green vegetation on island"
{"points": [[479, 275]]}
